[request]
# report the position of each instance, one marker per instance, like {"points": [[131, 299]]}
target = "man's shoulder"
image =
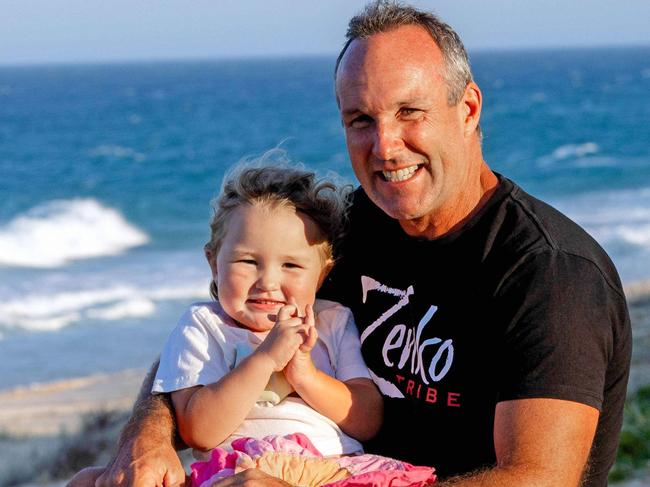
{"points": [[538, 227]]}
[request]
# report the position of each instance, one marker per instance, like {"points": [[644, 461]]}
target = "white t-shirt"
{"points": [[203, 348]]}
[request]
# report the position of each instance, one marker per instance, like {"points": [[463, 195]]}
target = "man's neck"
{"points": [[459, 212]]}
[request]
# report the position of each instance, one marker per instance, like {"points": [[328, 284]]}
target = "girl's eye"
{"points": [[247, 261], [291, 265]]}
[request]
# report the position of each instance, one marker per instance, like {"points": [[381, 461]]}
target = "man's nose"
{"points": [[387, 140]]}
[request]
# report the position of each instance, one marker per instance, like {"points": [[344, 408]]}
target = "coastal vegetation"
{"points": [[634, 450]]}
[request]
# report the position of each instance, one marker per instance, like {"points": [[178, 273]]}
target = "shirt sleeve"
{"points": [[194, 354], [561, 315], [345, 346]]}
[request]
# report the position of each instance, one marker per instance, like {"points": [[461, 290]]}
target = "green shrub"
{"points": [[634, 448]]}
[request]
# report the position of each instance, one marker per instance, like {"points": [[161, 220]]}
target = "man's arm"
{"points": [[146, 455], [539, 443]]}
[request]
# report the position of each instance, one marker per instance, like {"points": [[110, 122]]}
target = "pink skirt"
{"points": [[295, 460]]}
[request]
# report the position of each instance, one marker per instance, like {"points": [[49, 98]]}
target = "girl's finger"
{"points": [[309, 315], [293, 302], [286, 312]]}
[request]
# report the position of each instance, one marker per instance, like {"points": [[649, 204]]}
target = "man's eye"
{"points": [[360, 122], [409, 112]]}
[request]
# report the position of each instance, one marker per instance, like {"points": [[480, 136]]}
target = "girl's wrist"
{"points": [[264, 361], [306, 376]]}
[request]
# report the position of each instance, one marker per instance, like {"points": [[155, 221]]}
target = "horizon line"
{"points": [[290, 56]]}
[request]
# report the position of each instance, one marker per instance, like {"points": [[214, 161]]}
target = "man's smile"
{"points": [[401, 174]]}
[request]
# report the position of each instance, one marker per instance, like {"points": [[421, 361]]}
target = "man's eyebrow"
{"points": [[411, 101], [407, 102], [351, 111]]}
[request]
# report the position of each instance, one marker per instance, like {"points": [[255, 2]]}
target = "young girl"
{"points": [[268, 376]]}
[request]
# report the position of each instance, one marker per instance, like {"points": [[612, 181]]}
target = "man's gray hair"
{"points": [[386, 15]]}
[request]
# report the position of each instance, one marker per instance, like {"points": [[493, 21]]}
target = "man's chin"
{"points": [[399, 205], [398, 210]]}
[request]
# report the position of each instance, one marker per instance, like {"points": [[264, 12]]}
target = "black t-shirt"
{"points": [[519, 303]]}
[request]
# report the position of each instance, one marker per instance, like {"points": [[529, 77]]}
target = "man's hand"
{"points": [[146, 456], [251, 478], [144, 466]]}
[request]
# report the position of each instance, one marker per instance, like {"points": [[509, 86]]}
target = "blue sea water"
{"points": [[106, 173]]}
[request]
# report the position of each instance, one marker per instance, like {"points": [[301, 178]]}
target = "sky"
{"points": [[70, 31]]}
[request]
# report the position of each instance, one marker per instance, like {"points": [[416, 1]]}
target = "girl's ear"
{"points": [[211, 257], [326, 270]]}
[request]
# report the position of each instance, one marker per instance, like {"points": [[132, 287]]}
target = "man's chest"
{"points": [[430, 343]]}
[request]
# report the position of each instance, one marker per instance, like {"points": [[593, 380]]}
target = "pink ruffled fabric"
{"points": [[364, 470]]}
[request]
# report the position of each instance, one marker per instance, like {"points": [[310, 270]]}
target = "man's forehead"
{"points": [[397, 58], [396, 47]]}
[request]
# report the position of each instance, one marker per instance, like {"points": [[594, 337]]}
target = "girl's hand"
{"points": [[300, 368], [285, 338]]}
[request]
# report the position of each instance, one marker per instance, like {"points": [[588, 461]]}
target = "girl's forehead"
{"points": [[283, 220]]}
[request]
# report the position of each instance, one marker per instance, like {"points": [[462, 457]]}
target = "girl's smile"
{"points": [[270, 256]]}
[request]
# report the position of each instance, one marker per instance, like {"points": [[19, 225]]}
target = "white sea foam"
{"points": [[39, 311], [132, 308], [118, 151], [613, 217], [575, 150], [51, 323], [620, 222], [57, 232]]}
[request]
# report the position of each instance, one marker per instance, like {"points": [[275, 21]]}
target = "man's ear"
{"points": [[471, 104], [211, 257]]}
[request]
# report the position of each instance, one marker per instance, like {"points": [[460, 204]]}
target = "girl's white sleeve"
{"points": [[194, 353], [342, 341]]}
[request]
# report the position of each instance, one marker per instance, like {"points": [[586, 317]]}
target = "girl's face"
{"points": [[269, 257]]}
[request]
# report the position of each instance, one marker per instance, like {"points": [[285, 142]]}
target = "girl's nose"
{"points": [[268, 280]]}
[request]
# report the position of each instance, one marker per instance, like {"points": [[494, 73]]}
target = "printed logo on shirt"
{"points": [[416, 364]]}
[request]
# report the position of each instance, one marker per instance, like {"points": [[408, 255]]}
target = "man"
{"points": [[496, 329]]}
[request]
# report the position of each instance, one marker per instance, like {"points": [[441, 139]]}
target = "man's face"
{"points": [[408, 147]]}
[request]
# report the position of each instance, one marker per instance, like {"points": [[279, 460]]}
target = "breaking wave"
{"points": [[615, 216], [576, 153], [53, 311], [60, 231]]}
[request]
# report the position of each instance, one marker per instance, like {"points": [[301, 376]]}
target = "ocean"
{"points": [[107, 171]]}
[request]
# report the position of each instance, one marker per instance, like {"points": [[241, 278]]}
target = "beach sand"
{"points": [[38, 423], [31, 417], [48, 409]]}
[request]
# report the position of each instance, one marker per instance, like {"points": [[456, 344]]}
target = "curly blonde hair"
{"points": [[271, 181]]}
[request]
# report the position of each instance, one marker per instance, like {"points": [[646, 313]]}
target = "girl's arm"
{"points": [[207, 415], [355, 405]]}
